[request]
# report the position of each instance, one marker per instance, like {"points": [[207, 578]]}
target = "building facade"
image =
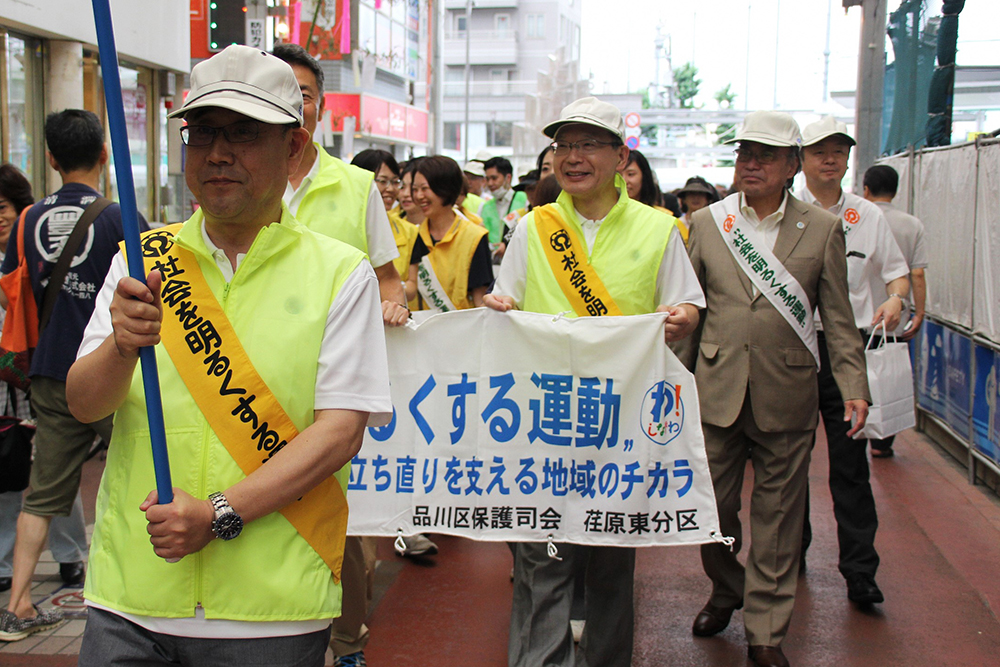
{"points": [[512, 45], [49, 62]]}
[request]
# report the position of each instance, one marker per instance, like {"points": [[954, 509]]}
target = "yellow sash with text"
{"points": [[240, 408], [567, 258]]}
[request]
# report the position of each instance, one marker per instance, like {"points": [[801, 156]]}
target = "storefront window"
{"points": [[135, 96], [23, 122], [391, 34]]}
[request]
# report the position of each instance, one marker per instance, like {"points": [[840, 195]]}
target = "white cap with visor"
{"points": [[248, 81]]}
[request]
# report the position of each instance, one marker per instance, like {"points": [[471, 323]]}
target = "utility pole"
{"points": [[871, 76], [777, 42], [468, 71], [746, 81], [826, 53], [435, 74]]}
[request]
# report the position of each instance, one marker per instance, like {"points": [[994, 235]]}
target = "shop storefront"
{"points": [[49, 61]]}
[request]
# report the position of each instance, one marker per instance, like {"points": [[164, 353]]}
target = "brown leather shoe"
{"points": [[767, 656], [712, 620]]}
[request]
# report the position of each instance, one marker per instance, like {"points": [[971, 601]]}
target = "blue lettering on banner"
{"points": [[467, 476], [502, 431], [418, 398], [459, 390], [551, 415]]}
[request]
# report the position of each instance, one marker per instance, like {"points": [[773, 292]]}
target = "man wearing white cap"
{"points": [[475, 176], [766, 260], [872, 256], [270, 349], [337, 199], [629, 259]]}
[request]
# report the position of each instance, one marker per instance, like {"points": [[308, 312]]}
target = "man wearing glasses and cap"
{"points": [[766, 261], [271, 355], [631, 260], [872, 257]]}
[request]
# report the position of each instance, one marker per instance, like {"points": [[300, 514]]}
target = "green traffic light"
{"points": [[214, 6], [214, 25], [215, 45]]}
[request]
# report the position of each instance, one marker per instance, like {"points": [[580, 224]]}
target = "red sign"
{"points": [[416, 125], [199, 29], [376, 117], [338, 106]]}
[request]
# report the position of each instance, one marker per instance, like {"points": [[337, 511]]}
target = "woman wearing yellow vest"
{"points": [[450, 266], [642, 187]]}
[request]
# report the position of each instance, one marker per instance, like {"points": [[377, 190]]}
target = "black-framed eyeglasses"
{"points": [[763, 156], [240, 132], [586, 147], [385, 182]]}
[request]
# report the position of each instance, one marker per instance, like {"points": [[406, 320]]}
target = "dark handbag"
{"points": [[15, 450]]}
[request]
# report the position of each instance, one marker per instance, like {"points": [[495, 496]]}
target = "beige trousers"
{"points": [[781, 471], [357, 577]]}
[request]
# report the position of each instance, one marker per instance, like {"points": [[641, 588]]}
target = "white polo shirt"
{"points": [[873, 257]]}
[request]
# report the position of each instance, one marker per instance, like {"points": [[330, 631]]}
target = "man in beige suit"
{"points": [[765, 261]]}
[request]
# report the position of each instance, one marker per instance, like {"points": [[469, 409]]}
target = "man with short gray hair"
{"points": [[766, 261], [632, 261]]}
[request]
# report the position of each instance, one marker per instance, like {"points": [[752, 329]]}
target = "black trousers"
{"points": [[853, 502]]}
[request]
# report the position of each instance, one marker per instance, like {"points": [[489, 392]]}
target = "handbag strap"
{"points": [[65, 257], [20, 233], [12, 399]]}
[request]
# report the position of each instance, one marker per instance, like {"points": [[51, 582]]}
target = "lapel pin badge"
{"points": [[800, 225]]}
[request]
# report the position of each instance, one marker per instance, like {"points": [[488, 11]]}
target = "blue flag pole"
{"points": [[130, 226]]}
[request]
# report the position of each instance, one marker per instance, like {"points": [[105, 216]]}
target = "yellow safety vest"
{"points": [[451, 259], [269, 573], [336, 204], [626, 255]]}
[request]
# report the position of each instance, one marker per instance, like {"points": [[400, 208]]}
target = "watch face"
{"points": [[228, 526]]}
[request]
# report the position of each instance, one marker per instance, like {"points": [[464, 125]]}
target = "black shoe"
{"points": [[5, 584], [712, 620], [72, 573], [767, 656], [862, 589]]}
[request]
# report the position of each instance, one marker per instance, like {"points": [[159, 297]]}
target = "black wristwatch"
{"points": [[227, 524]]}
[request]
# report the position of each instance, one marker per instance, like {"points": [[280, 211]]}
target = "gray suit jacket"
{"points": [[742, 340]]}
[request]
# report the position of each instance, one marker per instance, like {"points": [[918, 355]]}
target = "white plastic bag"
{"points": [[890, 380]]}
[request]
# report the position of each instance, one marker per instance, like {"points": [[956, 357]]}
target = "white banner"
{"points": [[528, 427], [945, 201], [986, 288]]}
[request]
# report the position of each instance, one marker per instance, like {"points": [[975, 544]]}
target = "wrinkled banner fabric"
{"points": [[528, 427]]}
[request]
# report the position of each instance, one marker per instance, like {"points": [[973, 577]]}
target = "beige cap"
{"points": [[828, 126], [589, 111], [248, 81], [773, 128], [483, 156], [475, 168]]}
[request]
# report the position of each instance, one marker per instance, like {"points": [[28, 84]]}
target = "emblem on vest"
{"points": [[561, 242]]}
